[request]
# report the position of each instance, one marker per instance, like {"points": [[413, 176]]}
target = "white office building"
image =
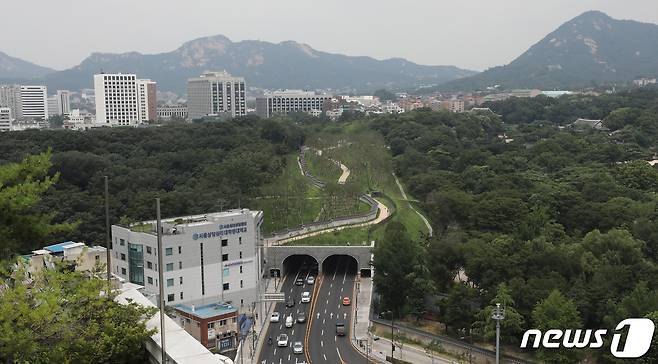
{"points": [[146, 94], [207, 258], [284, 102], [5, 119], [34, 102], [216, 94], [116, 99]]}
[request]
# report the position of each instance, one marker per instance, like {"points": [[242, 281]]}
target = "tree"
{"points": [[59, 316], [652, 355], [556, 312], [510, 328], [385, 95], [56, 121], [21, 187], [457, 311]]}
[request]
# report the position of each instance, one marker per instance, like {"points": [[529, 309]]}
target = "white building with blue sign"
{"points": [[208, 258]]}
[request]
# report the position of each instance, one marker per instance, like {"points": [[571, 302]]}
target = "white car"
{"points": [[306, 297], [298, 347], [289, 321], [275, 317], [282, 340], [310, 280]]}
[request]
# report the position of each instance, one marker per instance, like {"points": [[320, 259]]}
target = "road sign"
{"points": [[273, 297]]}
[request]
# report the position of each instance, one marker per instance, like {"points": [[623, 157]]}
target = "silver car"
{"points": [[298, 347]]}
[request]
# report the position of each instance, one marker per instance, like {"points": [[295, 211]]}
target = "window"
{"points": [[148, 249], [180, 250], [226, 287], [240, 269], [241, 284], [240, 254], [169, 251], [170, 267], [149, 279], [149, 265], [180, 265], [222, 322], [234, 320], [170, 282], [123, 256], [226, 272], [240, 240], [224, 242], [123, 271], [122, 242], [224, 257], [180, 280], [170, 297], [211, 325], [181, 295]]}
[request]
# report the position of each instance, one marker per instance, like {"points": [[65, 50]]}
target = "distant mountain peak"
{"points": [[16, 68]]}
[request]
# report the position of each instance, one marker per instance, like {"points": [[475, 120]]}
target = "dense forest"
{"points": [[192, 168], [559, 224]]}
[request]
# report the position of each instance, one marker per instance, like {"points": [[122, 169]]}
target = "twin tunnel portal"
{"points": [[332, 299]]}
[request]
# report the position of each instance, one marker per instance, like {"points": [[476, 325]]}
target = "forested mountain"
{"points": [[590, 49], [263, 64], [14, 68]]}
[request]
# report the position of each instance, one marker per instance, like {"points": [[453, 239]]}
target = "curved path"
{"points": [[404, 196]]}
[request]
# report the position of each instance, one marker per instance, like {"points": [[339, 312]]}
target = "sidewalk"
{"points": [[260, 325], [377, 350]]}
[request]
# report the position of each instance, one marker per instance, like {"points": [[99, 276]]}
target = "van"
{"points": [[289, 321], [340, 328]]}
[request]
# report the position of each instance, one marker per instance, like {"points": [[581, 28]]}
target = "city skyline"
{"points": [[391, 31]]}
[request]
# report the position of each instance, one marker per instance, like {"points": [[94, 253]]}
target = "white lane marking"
{"points": [[322, 343], [331, 315], [274, 349], [344, 316], [331, 285], [341, 289], [334, 277], [322, 333], [339, 306], [323, 321], [289, 355], [280, 361], [344, 275], [325, 357], [335, 338], [327, 301], [293, 332], [329, 294], [325, 311], [280, 327]]}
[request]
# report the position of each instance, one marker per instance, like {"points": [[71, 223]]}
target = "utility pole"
{"points": [[107, 231], [498, 315], [161, 279]]}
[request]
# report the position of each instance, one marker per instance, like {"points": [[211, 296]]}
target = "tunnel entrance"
{"points": [[339, 263], [300, 263]]}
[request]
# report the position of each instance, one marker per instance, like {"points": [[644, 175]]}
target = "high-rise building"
{"points": [[34, 102], [146, 94], [116, 99], [52, 106], [10, 96], [216, 94], [284, 102], [207, 258], [63, 102], [5, 119]]}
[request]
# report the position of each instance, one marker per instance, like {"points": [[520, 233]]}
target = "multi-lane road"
{"points": [[321, 344]]}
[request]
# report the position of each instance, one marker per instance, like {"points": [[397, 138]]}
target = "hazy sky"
{"points": [[474, 34]]}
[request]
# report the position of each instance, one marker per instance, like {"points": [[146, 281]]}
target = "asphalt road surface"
{"points": [[324, 345], [273, 354]]}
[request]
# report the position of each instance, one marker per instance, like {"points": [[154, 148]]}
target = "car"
{"points": [[289, 321], [282, 340], [298, 347], [310, 280], [346, 301], [301, 318], [340, 328], [306, 297], [299, 281], [275, 317], [290, 302]]}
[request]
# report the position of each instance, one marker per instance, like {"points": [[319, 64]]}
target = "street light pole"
{"points": [[498, 315]]}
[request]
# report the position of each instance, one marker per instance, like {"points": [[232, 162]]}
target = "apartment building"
{"points": [[10, 96], [146, 93], [5, 119], [216, 94], [287, 101], [208, 258], [213, 325]]}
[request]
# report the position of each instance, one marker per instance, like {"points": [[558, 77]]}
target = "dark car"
{"points": [[301, 318], [299, 281], [290, 302]]}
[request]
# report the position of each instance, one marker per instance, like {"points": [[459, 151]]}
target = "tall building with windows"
{"points": [[208, 258], [5, 119], [63, 102], [10, 96], [146, 94], [116, 99], [284, 102], [216, 94], [34, 102]]}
